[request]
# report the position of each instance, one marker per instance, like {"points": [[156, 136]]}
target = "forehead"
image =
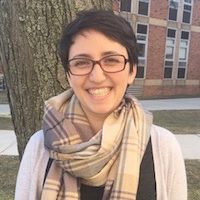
{"points": [[94, 42]]}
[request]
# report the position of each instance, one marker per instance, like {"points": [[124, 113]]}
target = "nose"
{"points": [[97, 75]]}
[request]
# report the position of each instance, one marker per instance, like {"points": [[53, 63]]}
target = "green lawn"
{"points": [[179, 121], [6, 124], [3, 98], [193, 177], [9, 167], [8, 172], [184, 122]]}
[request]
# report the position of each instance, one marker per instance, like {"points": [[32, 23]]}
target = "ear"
{"points": [[132, 74]]}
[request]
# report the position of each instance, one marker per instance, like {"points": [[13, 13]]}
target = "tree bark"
{"points": [[29, 34]]}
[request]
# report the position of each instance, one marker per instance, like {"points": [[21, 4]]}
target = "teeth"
{"points": [[99, 91]]}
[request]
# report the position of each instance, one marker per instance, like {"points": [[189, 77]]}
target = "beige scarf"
{"points": [[112, 157]]}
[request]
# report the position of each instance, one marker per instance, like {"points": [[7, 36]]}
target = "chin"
{"points": [[102, 111]]}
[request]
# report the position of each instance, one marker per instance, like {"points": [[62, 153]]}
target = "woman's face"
{"points": [[99, 93]]}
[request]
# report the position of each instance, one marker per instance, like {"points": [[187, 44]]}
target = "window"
{"points": [[125, 5], [183, 52], [187, 7], [2, 83], [142, 45], [169, 48], [169, 53], [143, 7], [173, 9]]}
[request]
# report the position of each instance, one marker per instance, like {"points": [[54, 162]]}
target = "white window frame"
{"points": [[173, 55], [143, 59], [187, 4], [146, 1], [125, 10], [187, 53], [175, 1]]}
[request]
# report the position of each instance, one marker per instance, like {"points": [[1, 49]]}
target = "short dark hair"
{"points": [[111, 25]]}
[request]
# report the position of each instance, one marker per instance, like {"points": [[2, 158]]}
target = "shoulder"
{"points": [[36, 141], [35, 147], [169, 164], [164, 143], [32, 168], [161, 134], [37, 138]]}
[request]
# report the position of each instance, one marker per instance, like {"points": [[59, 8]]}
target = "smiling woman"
{"points": [[97, 142], [99, 92]]}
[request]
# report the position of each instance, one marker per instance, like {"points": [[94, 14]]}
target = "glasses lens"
{"points": [[110, 64], [113, 63], [80, 66]]}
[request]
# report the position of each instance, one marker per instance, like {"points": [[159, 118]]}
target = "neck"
{"points": [[96, 121]]}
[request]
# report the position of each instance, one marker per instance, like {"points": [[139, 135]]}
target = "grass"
{"points": [[177, 121], [6, 124], [3, 98], [8, 172], [9, 167], [193, 178]]}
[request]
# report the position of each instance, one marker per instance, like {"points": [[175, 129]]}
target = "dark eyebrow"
{"points": [[107, 53], [85, 55], [82, 55]]}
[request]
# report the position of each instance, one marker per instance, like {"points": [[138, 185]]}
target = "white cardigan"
{"points": [[168, 161]]}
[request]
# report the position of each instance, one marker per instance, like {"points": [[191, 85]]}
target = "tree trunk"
{"points": [[29, 34]]}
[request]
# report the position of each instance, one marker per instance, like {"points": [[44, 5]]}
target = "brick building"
{"points": [[168, 35]]}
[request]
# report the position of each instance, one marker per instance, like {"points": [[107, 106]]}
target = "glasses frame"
{"points": [[94, 62]]}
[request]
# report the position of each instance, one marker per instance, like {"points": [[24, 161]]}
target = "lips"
{"points": [[99, 92]]}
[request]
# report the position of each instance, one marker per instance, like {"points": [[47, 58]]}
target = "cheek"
{"points": [[72, 81], [73, 85], [77, 83]]}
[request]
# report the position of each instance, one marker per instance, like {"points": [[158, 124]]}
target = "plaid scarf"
{"points": [[111, 157]]}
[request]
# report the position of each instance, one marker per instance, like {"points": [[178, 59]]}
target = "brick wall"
{"points": [[194, 57], [196, 13], [156, 52], [170, 91], [159, 9]]}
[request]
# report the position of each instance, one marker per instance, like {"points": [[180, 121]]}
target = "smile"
{"points": [[99, 92]]}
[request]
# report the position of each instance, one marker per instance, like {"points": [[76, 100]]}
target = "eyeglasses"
{"points": [[109, 64]]}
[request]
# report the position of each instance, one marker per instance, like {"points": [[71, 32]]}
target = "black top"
{"points": [[147, 182], [91, 193]]}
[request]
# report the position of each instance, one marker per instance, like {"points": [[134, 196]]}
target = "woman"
{"points": [[97, 142]]}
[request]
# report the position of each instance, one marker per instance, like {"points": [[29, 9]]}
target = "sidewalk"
{"points": [[156, 104], [190, 144], [4, 110], [8, 143], [172, 104]]}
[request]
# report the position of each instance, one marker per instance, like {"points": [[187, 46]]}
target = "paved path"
{"points": [[8, 144], [4, 110], [172, 104], [190, 144], [156, 104]]}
